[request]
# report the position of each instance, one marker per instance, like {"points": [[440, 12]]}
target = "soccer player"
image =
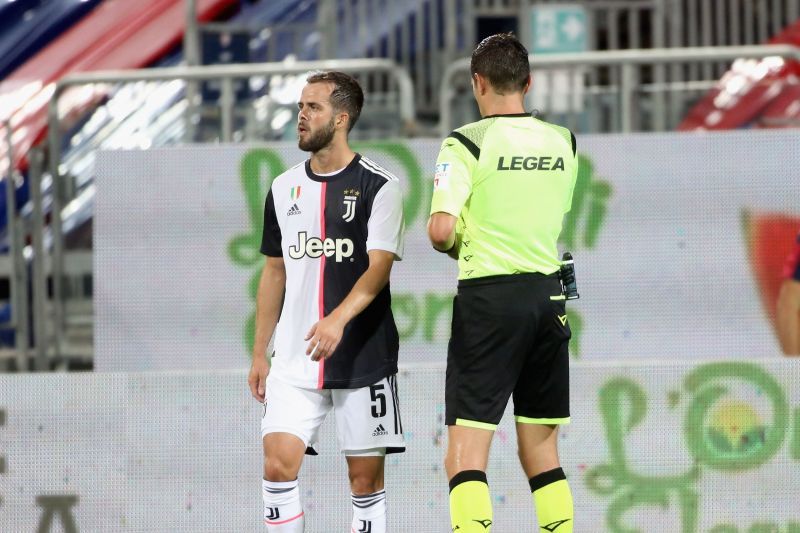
{"points": [[333, 226], [788, 310], [501, 189]]}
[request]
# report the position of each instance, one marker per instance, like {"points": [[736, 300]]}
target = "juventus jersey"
{"points": [[323, 227]]}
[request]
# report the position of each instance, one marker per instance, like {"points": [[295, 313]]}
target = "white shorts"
{"points": [[366, 419]]}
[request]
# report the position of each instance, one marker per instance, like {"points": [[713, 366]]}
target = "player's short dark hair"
{"points": [[502, 60], [347, 95]]}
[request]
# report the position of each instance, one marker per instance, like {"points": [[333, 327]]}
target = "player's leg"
{"points": [[292, 417], [541, 404], [483, 361], [368, 426], [283, 456], [365, 470]]}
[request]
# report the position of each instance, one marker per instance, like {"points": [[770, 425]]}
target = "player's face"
{"points": [[315, 117]]}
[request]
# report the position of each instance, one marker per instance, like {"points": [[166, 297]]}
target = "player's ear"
{"points": [[528, 84], [342, 120]]}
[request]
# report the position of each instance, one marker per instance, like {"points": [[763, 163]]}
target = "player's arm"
{"points": [[326, 334], [788, 317], [269, 298], [384, 246], [452, 185]]}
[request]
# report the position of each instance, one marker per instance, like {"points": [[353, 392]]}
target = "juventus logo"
{"points": [[349, 208], [272, 513], [366, 526]]}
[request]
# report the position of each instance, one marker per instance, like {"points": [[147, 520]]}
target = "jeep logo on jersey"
{"points": [[349, 208], [316, 247]]}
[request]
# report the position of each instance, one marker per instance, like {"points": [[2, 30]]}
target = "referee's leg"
{"points": [[538, 454], [465, 463]]}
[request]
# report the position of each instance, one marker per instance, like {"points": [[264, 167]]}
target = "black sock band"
{"points": [[545, 478], [467, 475]]}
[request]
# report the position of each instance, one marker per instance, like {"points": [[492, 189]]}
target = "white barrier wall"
{"points": [[678, 241], [653, 448]]}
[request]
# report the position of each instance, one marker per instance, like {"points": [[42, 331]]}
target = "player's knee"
{"points": [[362, 484], [276, 469]]}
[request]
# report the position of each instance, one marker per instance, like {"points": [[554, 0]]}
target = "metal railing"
{"points": [[64, 189], [424, 36], [626, 61], [14, 265], [41, 340]]}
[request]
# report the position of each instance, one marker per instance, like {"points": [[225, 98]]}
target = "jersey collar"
{"points": [[508, 115], [316, 177]]}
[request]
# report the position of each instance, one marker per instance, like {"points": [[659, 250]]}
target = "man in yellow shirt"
{"points": [[501, 189]]}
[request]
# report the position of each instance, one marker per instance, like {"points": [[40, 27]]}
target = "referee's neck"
{"points": [[500, 104]]}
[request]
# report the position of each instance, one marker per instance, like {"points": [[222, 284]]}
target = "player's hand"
{"points": [[324, 336], [257, 378]]}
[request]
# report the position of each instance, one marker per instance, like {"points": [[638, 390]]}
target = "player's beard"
{"points": [[319, 139]]}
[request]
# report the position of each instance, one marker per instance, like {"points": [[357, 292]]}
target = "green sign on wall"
{"points": [[558, 28]]}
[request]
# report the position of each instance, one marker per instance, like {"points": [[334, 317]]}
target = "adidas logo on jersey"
{"points": [[294, 210], [380, 430]]}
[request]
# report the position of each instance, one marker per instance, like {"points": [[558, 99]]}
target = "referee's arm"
{"points": [[442, 233], [452, 187]]}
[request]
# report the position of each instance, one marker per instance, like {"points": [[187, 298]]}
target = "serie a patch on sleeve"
{"points": [[441, 178]]}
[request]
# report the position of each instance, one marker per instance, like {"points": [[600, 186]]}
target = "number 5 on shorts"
{"points": [[378, 400]]}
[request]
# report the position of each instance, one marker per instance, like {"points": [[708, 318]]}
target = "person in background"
{"points": [[788, 309]]}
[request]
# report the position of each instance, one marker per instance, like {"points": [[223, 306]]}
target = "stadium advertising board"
{"points": [[678, 243], [675, 447]]}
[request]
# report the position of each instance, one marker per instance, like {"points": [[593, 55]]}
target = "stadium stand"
{"points": [[115, 35], [39, 23], [755, 92]]}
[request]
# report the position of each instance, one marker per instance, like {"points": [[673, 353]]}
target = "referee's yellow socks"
{"points": [[553, 501], [470, 503]]}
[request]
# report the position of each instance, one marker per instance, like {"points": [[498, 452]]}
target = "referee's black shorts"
{"points": [[510, 335]]}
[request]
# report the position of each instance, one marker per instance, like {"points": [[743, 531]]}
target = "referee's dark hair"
{"points": [[347, 95], [502, 60]]}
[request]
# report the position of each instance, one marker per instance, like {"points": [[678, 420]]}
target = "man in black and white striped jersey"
{"points": [[333, 227]]}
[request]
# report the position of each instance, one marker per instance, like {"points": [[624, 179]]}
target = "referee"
{"points": [[501, 189]]}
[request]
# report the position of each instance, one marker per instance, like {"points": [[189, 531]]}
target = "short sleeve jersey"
{"points": [[323, 227], [509, 181], [791, 269]]}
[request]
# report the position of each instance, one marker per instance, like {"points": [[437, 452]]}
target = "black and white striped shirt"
{"points": [[323, 227]]}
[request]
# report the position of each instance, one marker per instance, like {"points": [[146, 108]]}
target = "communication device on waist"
{"points": [[567, 276]]}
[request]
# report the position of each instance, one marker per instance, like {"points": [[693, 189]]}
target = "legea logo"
{"points": [[315, 247]]}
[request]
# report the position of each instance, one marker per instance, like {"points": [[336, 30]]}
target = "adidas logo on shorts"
{"points": [[294, 210], [380, 430]]}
